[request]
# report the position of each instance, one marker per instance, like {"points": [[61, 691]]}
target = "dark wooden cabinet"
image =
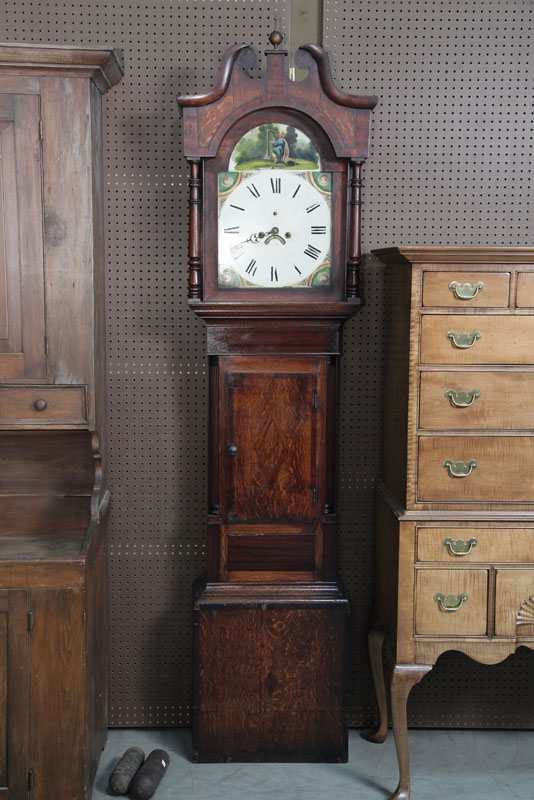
{"points": [[53, 496], [275, 203]]}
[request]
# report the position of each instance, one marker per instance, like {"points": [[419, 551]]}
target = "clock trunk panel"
{"points": [[272, 441]]}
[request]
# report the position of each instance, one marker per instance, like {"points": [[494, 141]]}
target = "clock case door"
{"points": [[329, 163], [272, 471]]}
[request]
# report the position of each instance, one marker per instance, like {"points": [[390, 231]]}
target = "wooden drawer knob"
{"points": [[40, 405]]}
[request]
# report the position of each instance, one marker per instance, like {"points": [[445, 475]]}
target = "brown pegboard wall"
{"points": [[449, 164]]}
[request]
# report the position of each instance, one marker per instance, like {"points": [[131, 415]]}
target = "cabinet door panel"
{"points": [[22, 324], [14, 694], [270, 444]]}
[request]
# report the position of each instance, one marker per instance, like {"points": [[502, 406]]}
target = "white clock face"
{"points": [[274, 231]]}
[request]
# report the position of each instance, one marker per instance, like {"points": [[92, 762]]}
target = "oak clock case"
{"points": [[274, 251]]}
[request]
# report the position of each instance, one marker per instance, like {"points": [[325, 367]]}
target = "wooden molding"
{"points": [[103, 66], [455, 255]]}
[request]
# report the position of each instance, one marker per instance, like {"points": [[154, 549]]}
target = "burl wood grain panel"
{"points": [[272, 422], [228, 683], [271, 684], [302, 673]]}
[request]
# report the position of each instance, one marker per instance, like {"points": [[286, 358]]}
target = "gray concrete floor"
{"points": [[478, 765]]}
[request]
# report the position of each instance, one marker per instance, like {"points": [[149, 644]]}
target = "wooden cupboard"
{"points": [[455, 511], [53, 495]]}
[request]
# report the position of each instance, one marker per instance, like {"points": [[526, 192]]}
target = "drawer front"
{"points": [[462, 607], [525, 290], [476, 400], [483, 339], [504, 470], [487, 545], [464, 289], [48, 405], [514, 602]]}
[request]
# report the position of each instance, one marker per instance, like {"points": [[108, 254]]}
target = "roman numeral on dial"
{"points": [[296, 190], [274, 274], [233, 229], [312, 252], [318, 228], [253, 191], [251, 269], [312, 208], [276, 185]]}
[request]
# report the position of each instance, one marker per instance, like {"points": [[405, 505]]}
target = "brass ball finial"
{"points": [[276, 37]]}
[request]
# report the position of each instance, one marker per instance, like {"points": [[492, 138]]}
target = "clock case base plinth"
{"points": [[270, 673]]}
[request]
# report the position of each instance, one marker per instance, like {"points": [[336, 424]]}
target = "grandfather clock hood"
{"points": [[338, 123], [344, 117]]}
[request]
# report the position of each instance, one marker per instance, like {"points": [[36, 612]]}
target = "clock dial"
{"points": [[274, 231]]}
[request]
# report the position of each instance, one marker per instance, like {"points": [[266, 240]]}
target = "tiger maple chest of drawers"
{"points": [[455, 510]]}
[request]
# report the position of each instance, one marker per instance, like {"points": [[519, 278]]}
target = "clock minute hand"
{"points": [[254, 238]]}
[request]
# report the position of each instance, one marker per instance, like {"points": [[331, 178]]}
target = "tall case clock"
{"points": [[274, 254]]}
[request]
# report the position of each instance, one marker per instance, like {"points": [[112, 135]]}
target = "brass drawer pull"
{"points": [[459, 547], [466, 291], [450, 602], [463, 340], [460, 469], [462, 399]]}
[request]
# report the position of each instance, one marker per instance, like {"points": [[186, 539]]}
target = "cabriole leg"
{"points": [[377, 635], [403, 679]]}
